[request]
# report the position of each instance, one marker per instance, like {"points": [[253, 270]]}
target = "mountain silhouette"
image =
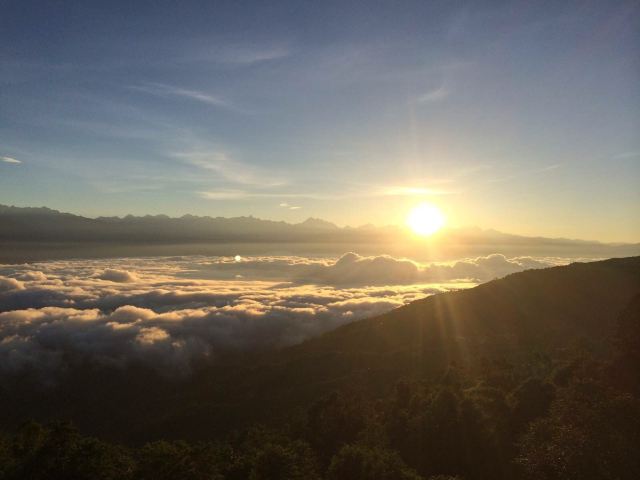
{"points": [[29, 234]]}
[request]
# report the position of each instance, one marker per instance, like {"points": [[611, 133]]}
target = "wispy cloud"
{"points": [[403, 191], [246, 55], [626, 155], [116, 186], [548, 168], [227, 194], [230, 169], [368, 192], [526, 173], [435, 95], [290, 207], [163, 90], [224, 194], [10, 160]]}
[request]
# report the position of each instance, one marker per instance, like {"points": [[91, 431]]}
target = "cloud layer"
{"points": [[168, 312]]}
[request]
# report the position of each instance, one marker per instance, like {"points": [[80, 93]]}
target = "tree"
{"points": [[284, 462], [333, 421], [592, 432], [529, 401], [624, 371], [60, 452], [164, 460], [359, 462]]}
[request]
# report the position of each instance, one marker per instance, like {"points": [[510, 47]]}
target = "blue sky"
{"points": [[519, 116]]}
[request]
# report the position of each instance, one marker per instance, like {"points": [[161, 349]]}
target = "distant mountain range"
{"points": [[43, 224]]}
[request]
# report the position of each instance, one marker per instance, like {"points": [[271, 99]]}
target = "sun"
{"points": [[425, 219]]}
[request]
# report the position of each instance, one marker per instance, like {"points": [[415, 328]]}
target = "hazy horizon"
{"points": [[401, 226]]}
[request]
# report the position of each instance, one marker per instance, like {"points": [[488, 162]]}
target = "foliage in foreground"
{"points": [[583, 428]]}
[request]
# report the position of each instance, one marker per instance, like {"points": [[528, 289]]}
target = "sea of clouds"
{"points": [[169, 311]]}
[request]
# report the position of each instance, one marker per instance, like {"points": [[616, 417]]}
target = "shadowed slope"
{"points": [[507, 320]]}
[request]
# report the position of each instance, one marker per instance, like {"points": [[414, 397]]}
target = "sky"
{"points": [[518, 116]]}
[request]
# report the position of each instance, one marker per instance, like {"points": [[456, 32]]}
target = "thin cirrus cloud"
{"points": [[163, 90], [436, 95], [361, 192], [226, 194], [404, 191], [232, 54], [526, 173], [229, 169], [246, 55], [626, 155], [10, 160]]}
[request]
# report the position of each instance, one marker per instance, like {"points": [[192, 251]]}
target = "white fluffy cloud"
{"points": [[170, 311], [113, 275], [352, 269]]}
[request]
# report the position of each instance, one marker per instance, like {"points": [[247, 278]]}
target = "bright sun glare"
{"points": [[425, 219]]}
